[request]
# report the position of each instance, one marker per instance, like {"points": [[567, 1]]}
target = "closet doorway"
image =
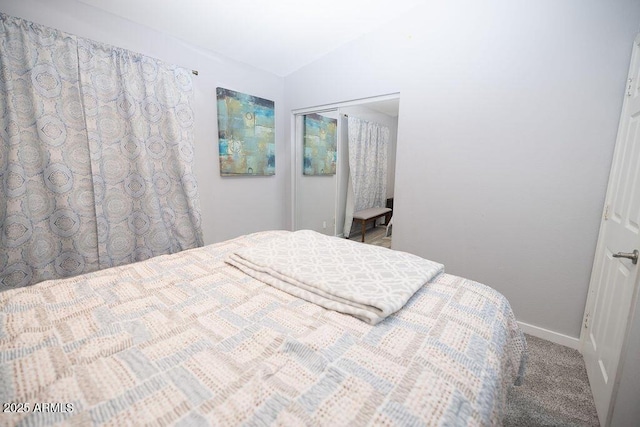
{"points": [[321, 173]]}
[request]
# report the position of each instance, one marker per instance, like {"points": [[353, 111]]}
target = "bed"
{"points": [[188, 339]]}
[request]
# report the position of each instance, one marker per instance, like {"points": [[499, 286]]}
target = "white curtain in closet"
{"points": [[368, 142]]}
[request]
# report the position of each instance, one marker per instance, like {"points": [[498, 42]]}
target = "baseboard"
{"points": [[548, 335]]}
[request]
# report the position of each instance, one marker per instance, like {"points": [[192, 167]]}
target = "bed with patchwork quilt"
{"points": [[190, 339]]}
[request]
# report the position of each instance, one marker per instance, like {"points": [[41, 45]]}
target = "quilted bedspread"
{"points": [[187, 339]]}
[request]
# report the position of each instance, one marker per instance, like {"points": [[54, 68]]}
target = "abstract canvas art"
{"points": [[246, 134], [320, 145]]}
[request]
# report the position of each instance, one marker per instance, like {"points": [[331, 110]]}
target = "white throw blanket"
{"points": [[365, 281]]}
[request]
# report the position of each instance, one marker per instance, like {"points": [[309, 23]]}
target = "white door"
{"points": [[614, 280]]}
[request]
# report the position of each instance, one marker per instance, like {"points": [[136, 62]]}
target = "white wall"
{"points": [[315, 194], [315, 203], [230, 206], [343, 174], [508, 117]]}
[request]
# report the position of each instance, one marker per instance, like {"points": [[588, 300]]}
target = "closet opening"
{"points": [[344, 169]]}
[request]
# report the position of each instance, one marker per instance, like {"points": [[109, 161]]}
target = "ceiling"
{"points": [[279, 36]]}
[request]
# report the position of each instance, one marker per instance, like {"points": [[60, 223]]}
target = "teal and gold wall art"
{"points": [[246, 134], [320, 145]]}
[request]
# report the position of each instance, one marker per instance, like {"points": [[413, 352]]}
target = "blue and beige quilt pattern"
{"points": [[186, 339]]}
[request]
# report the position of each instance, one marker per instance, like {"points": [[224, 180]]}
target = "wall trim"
{"points": [[552, 336]]}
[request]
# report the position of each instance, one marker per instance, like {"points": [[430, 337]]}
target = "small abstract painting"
{"points": [[246, 134], [320, 145]]}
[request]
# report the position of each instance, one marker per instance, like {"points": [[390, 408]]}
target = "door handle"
{"points": [[633, 256]]}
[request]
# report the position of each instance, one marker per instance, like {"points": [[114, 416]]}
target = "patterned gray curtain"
{"points": [[47, 214], [368, 142], [140, 127], [96, 156]]}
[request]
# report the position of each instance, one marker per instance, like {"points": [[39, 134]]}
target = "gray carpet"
{"points": [[556, 390]]}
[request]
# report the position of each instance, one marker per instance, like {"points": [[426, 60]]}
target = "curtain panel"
{"points": [[95, 158], [140, 130], [367, 188], [47, 211]]}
